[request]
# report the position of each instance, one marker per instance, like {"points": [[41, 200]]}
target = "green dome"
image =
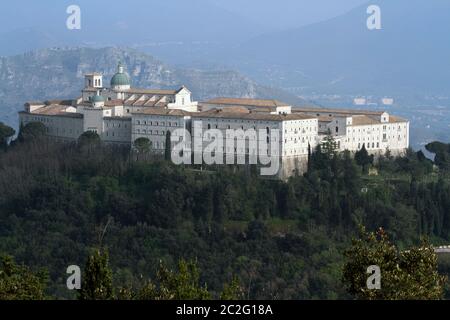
{"points": [[97, 98], [120, 79]]}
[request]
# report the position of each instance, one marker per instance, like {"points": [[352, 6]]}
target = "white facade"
{"points": [[121, 114], [155, 124]]}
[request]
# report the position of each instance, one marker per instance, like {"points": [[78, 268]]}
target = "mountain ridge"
{"points": [[408, 55], [58, 73]]}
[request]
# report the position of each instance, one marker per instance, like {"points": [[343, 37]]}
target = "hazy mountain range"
{"points": [[410, 54], [138, 22], [58, 74], [339, 56]]}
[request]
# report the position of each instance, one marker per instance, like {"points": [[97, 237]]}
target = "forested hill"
{"points": [[282, 240]]}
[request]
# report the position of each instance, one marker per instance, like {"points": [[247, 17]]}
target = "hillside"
{"points": [[283, 240], [58, 73]]}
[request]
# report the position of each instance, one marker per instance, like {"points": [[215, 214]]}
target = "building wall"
{"points": [[116, 130], [377, 137], [298, 135], [64, 127], [155, 127], [183, 101], [242, 141], [93, 119]]}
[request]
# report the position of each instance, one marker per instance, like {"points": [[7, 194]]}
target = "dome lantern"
{"points": [[121, 80]]}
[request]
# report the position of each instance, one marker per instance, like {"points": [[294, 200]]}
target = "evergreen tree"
{"points": [[329, 145], [363, 158], [32, 131], [168, 147], [232, 291], [97, 278]]}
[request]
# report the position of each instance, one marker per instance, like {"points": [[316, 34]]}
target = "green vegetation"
{"points": [[6, 133], [32, 131], [97, 278], [250, 237], [406, 275], [19, 282]]}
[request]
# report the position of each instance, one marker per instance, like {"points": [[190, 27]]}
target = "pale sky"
{"points": [[278, 14], [284, 14]]}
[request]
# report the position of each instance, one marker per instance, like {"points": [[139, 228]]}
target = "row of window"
{"points": [[117, 134], [116, 125], [303, 139], [297, 130], [369, 146], [157, 123], [151, 132]]}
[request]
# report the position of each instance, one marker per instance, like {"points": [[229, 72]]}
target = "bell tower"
{"points": [[93, 80]]}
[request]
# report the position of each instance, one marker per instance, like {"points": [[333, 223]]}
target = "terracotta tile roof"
{"points": [[395, 119], [247, 102], [163, 112], [151, 91], [55, 110], [343, 112], [362, 120], [217, 113], [51, 110], [236, 109], [114, 103]]}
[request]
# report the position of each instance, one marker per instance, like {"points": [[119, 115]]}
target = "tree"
{"points": [[329, 145], [176, 285], [32, 131], [89, 138], [142, 145], [232, 290], [97, 278], [442, 152], [363, 158], [19, 282], [6, 133], [438, 147], [410, 274], [168, 147]]}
